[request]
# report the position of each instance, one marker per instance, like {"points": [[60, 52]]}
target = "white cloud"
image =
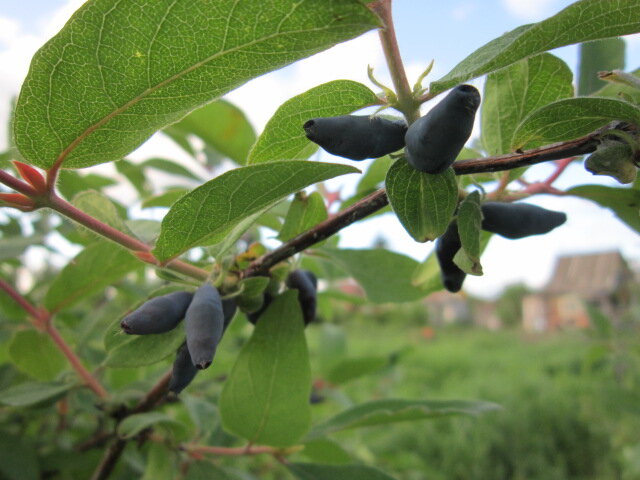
{"points": [[530, 10], [464, 11]]}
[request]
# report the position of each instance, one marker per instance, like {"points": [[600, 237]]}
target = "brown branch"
{"points": [[152, 399], [378, 199]]}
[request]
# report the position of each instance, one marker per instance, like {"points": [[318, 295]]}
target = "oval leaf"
{"points": [[469, 231], [35, 354], [304, 212], [31, 393], [579, 22], [512, 93], [222, 126], [119, 71], [145, 349], [571, 118], [384, 275], [134, 424], [380, 412], [424, 203], [207, 214], [312, 471], [624, 202], [596, 57], [352, 368], [283, 137], [266, 397], [93, 269]]}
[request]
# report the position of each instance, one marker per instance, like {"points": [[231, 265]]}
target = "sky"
{"points": [[444, 31]]}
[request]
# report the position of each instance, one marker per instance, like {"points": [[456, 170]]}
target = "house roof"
{"points": [[590, 275]]}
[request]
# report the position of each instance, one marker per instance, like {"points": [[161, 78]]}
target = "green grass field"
{"points": [[571, 402]]}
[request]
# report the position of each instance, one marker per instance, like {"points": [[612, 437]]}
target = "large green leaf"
{"points": [[579, 22], [384, 275], [170, 167], [93, 269], [624, 202], [601, 55], [208, 213], [119, 71], [283, 137], [313, 471], [512, 93], [35, 354], [424, 203], [381, 412], [18, 458], [352, 368], [266, 397], [304, 213], [222, 126], [571, 118]]}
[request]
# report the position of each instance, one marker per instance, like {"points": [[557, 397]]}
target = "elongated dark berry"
{"points": [[183, 371], [229, 308], [158, 315], [204, 324], [518, 220], [300, 280], [355, 136], [312, 278], [435, 140], [447, 246]]}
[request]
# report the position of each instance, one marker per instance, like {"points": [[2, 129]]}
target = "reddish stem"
{"points": [[18, 185], [41, 319], [231, 451], [561, 166]]}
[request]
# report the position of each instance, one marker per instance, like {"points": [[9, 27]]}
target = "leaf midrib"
{"points": [[134, 101]]}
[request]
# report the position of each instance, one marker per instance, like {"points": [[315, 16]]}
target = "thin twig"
{"points": [[42, 320]]}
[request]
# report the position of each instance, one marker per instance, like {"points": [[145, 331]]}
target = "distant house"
{"points": [[445, 308], [603, 280]]}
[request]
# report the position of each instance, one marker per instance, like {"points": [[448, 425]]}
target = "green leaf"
{"points": [[31, 393], [571, 118], [512, 93], [266, 397], [253, 286], [623, 202], [93, 269], [134, 424], [35, 354], [12, 247], [382, 412], [223, 127], [207, 214], [118, 72], [283, 137], [161, 462], [205, 470], [352, 368], [384, 275], [145, 349], [305, 211], [99, 206], [312, 471], [166, 199], [375, 174], [424, 203], [136, 177], [469, 230], [579, 22], [595, 57], [327, 451], [621, 91], [170, 166], [18, 459], [426, 276], [70, 183]]}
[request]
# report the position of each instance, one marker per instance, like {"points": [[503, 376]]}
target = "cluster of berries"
{"points": [[206, 317]]}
